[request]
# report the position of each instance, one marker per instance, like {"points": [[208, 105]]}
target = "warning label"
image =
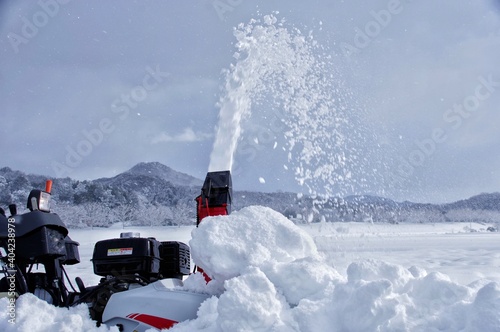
{"points": [[120, 251]]}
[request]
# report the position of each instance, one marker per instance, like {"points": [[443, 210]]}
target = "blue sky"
{"points": [[90, 88]]}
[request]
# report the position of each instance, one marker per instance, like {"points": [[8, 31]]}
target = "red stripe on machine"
{"points": [[157, 322]]}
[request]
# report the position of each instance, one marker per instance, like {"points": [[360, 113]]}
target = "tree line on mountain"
{"points": [[151, 194]]}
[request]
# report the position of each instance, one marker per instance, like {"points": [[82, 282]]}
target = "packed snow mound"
{"points": [[271, 278], [225, 246]]}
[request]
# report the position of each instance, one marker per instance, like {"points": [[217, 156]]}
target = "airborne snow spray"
{"points": [[296, 79]]}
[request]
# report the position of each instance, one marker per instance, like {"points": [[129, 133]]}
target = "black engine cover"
{"points": [[127, 256]]}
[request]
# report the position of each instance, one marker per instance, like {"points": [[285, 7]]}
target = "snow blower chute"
{"points": [[216, 196], [214, 200]]}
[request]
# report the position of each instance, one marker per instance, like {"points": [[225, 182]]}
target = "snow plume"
{"points": [[297, 81]]}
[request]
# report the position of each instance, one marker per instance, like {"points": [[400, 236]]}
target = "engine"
{"points": [[132, 261]]}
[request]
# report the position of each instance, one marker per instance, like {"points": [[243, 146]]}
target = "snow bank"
{"points": [[224, 246], [33, 314], [269, 276]]}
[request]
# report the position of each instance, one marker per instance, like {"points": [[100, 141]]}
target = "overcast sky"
{"points": [[90, 88]]}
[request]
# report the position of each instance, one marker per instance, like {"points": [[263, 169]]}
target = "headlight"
{"points": [[39, 200], [44, 201]]}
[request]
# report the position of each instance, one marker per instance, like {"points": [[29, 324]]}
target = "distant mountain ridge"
{"points": [[154, 194], [486, 201], [158, 170]]}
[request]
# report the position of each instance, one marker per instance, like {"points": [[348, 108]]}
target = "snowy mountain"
{"points": [[148, 193], [155, 194], [158, 171], [484, 201], [154, 183]]}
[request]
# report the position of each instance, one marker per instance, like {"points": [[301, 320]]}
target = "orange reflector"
{"points": [[48, 186]]}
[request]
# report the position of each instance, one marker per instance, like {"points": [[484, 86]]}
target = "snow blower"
{"points": [[141, 280]]}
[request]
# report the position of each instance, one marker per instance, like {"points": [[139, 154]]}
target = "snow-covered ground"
{"points": [[272, 275]]}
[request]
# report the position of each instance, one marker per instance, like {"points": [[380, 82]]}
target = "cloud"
{"points": [[187, 135]]}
